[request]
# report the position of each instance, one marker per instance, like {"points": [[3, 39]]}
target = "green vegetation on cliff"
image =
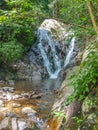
{"points": [[87, 75]]}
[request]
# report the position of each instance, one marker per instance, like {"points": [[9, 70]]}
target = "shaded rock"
{"points": [[72, 110], [11, 114], [37, 96], [31, 115], [8, 89], [27, 95], [24, 71]]}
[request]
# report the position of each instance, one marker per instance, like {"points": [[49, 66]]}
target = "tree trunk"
{"points": [[57, 9], [92, 17]]}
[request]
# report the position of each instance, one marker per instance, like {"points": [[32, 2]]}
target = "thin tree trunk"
{"points": [[92, 16], [57, 8]]}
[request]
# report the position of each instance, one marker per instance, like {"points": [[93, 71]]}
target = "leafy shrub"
{"points": [[10, 51], [87, 75], [18, 20]]}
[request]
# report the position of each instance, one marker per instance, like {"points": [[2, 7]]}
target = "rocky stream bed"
{"points": [[26, 105]]}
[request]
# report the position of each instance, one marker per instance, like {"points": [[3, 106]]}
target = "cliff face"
{"points": [[74, 108]]}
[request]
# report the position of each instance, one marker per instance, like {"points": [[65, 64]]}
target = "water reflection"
{"points": [[38, 85], [45, 88]]}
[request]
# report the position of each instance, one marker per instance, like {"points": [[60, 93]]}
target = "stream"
{"points": [[27, 101], [45, 93]]}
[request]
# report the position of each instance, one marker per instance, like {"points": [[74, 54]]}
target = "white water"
{"points": [[70, 51], [53, 71]]}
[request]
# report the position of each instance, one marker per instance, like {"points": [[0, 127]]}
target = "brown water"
{"points": [[46, 88], [44, 92]]}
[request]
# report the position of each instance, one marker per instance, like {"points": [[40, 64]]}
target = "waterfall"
{"points": [[70, 51], [45, 37], [53, 67]]}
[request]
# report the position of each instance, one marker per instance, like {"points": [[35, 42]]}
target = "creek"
{"points": [[32, 101], [28, 97], [44, 89], [28, 103]]}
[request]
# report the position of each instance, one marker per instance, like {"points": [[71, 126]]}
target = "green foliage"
{"points": [[18, 21], [78, 120], [59, 115], [10, 51], [87, 75], [75, 13]]}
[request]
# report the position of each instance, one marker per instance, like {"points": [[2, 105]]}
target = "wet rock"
{"points": [[16, 96], [8, 89], [21, 124], [27, 110], [9, 96], [31, 115], [4, 124], [26, 95], [37, 96], [16, 105], [11, 114], [41, 124], [14, 124]]}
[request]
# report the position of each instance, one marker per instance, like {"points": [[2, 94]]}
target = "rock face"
{"points": [[53, 45], [28, 71]]}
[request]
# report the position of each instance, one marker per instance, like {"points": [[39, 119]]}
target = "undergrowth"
{"points": [[86, 77]]}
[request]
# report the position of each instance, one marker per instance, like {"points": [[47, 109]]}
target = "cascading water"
{"points": [[53, 67], [54, 48], [70, 51], [44, 36]]}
